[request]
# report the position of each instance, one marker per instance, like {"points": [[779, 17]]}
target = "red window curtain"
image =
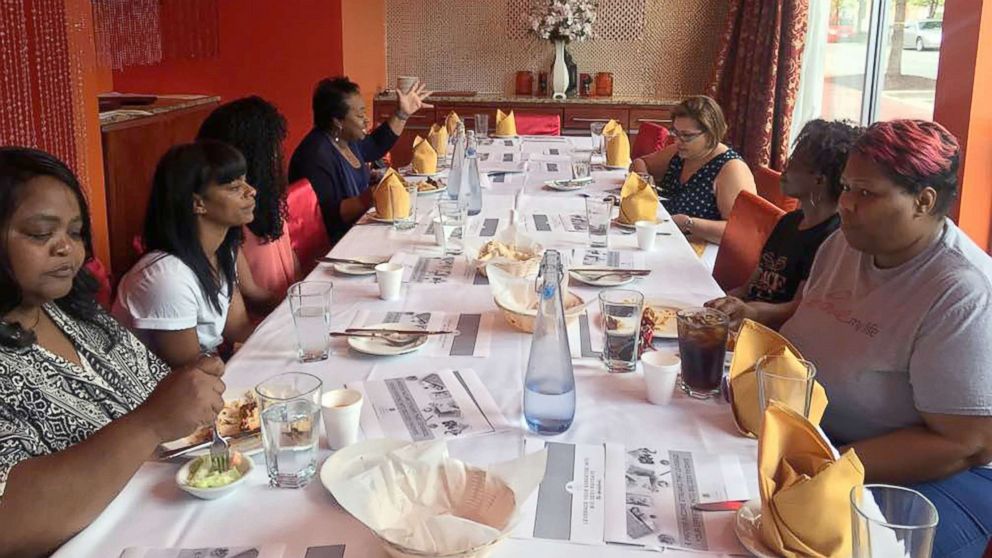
{"points": [[757, 76]]}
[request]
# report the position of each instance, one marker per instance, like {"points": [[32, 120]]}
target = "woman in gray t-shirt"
{"points": [[895, 315]]}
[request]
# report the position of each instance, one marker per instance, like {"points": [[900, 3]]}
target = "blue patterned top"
{"points": [[696, 197]]}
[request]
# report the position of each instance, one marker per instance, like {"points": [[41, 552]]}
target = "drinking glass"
{"points": [[581, 164], [596, 129], [310, 305], [290, 409], [702, 346], [647, 177], [408, 221], [598, 214], [452, 218], [891, 521], [779, 381], [481, 126], [621, 311]]}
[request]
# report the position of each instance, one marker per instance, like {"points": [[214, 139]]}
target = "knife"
{"points": [[179, 452], [726, 505]]}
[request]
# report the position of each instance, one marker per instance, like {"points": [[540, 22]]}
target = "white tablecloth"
{"points": [[152, 511]]}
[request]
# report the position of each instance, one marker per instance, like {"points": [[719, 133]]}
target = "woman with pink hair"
{"points": [[895, 316]]}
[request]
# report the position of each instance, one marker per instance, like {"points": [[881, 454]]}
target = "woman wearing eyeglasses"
{"points": [[698, 174]]}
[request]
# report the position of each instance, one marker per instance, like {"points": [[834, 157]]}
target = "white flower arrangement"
{"points": [[565, 20]]}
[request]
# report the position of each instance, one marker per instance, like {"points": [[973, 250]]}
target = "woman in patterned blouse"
{"points": [[698, 175], [82, 402]]}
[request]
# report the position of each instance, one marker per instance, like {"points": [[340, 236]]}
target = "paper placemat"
{"points": [[447, 404], [474, 338]]}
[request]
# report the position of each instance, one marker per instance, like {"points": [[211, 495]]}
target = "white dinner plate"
{"points": [[570, 185], [617, 222], [374, 215], [669, 329], [496, 136], [610, 281], [379, 347], [353, 269], [432, 192], [248, 445], [747, 527]]}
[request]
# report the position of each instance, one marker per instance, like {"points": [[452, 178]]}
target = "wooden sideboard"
{"points": [[576, 114], [133, 142]]}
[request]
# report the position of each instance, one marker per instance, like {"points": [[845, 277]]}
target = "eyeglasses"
{"points": [[684, 137]]}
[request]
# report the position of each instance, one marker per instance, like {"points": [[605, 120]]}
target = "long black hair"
{"points": [[170, 224], [18, 166], [256, 128]]}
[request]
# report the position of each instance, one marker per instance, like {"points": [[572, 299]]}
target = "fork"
{"points": [[220, 453]]}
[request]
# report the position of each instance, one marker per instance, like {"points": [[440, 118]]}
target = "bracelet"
{"points": [[401, 114], [687, 228]]}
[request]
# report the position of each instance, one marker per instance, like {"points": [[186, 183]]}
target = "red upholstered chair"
{"points": [[751, 221], [650, 138], [988, 551], [767, 181], [105, 292], [529, 124], [306, 224]]}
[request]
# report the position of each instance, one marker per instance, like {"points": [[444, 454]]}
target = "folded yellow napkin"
{"points": [[753, 342], [638, 200], [451, 122], [617, 145], [390, 196], [805, 488], [698, 246], [424, 157], [438, 136], [506, 125], [611, 128]]}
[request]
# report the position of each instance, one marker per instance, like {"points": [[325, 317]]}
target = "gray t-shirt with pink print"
{"points": [[889, 344]]}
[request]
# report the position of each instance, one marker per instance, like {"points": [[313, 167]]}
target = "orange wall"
{"points": [[272, 48], [964, 78], [363, 37]]}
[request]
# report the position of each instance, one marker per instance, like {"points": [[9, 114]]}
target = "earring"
{"points": [[337, 134]]}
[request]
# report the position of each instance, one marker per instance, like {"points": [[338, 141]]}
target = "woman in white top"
{"points": [[182, 297]]}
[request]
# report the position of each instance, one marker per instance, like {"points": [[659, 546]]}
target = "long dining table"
{"points": [[151, 511]]}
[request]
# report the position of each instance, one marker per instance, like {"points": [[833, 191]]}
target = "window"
{"points": [[878, 57]]}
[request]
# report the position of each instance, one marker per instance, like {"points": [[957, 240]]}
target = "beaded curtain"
{"points": [[142, 32], [41, 78]]}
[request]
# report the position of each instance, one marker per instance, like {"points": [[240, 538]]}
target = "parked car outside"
{"points": [[923, 35]]}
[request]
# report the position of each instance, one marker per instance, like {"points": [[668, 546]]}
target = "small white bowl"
{"points": [[247, 466]]}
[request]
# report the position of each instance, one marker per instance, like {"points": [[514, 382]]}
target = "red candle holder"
{"points": [[604, 84], [525, 83]]}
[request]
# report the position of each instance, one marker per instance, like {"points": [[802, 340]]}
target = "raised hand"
{"points": [[413, 100]]}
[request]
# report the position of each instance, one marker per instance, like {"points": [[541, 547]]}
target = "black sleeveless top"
{"points": [[695, 198]]}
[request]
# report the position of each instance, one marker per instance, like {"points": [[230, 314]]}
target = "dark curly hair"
{"points": [[257, 129], [825, 145], [330, 100], [18, 166]]}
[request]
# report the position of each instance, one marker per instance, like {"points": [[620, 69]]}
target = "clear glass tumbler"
{"points": [[702, 347], [891, 521], [310, 305], [779, 380], [481, 126], [621, 309], [598, 215], [596, 130], [290, 410], [452, 217], [581, 164], [408, 221]]}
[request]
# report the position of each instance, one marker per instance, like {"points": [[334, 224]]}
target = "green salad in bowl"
{"points": [[199, 479]]}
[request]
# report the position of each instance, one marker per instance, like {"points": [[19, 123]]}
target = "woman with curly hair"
{"points": [[895, 315], [267, 265], [812, 175]]}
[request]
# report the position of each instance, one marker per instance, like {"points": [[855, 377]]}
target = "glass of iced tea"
{"points": [[702, 346]]}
